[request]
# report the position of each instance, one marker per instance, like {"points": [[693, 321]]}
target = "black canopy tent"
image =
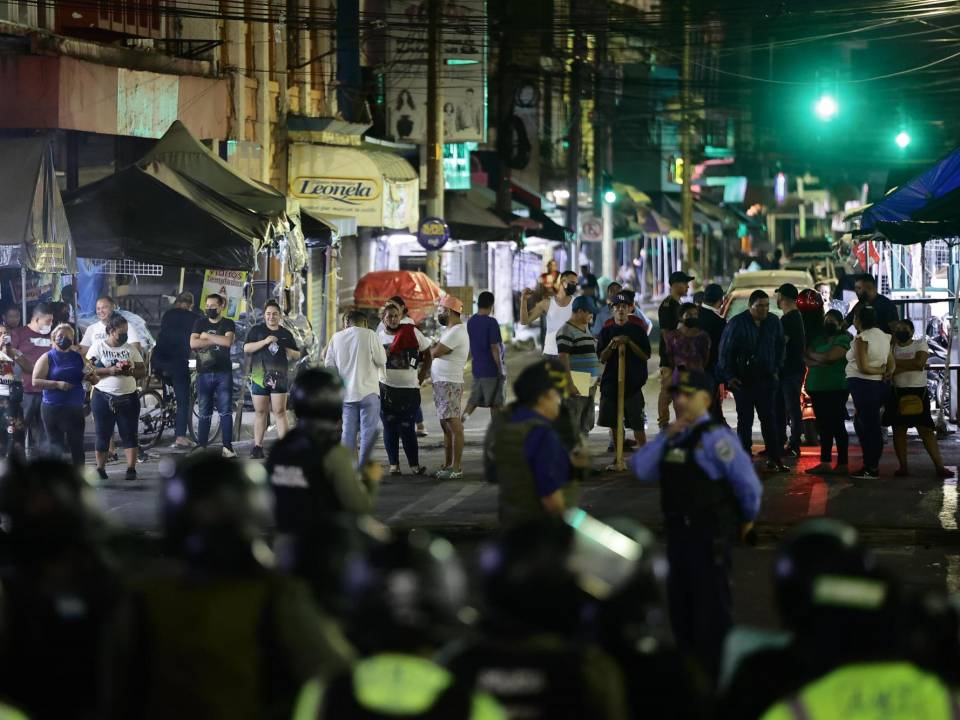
{"points": [[181, 205]]}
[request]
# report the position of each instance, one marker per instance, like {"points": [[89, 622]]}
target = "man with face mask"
{"points": [[27, 345], [787, 404], [557, 310], [887, 313], [449, 360], [211, 340]]}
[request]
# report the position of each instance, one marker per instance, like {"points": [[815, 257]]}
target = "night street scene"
{"points": [[479, 359]]}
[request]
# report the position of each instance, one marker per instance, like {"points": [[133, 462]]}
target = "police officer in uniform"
{"points": [[405, 595], [532, 448], [710, 495], [837, 608], [217, 634], [536, 582], [315, 479], [58, 591]]}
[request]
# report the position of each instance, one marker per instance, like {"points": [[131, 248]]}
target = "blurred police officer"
{"points": [[58, 590], [534, 466], [218, 634], [837, 607], [710, 495], [405, 597], [536, 585]]}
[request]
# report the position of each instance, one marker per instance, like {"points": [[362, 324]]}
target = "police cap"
{"points": [[317, 394], [690, 381]]}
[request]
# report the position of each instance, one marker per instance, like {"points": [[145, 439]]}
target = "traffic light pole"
{"points": [[435, 184]]}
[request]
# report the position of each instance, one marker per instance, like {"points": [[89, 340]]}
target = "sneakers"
{"points": [[228, 453], [256, 453], [773, 466], [866, 474], [450, 474], [102, 473], [422, 470], [188, 445], [130, 475]]}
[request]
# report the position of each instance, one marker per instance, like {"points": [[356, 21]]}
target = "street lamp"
{"points": [[902, 139], [826, 107]]}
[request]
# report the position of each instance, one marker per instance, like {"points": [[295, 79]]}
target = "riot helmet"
{"points": [[406, 593], [214, 512], [317, 396]]}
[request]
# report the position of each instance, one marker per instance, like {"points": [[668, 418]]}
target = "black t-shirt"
{"points": [[173, 342], [668, 316], [636, 371], [886, 312], [271, 360], [793, 332], [215, 358]]}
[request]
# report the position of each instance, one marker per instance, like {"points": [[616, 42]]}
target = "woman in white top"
{"points": [[400, 382], [558, 310], [869, 368], [910, 402], [116, 402]]}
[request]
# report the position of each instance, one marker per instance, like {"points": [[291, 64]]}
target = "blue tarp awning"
{"points": [[906, 202]]}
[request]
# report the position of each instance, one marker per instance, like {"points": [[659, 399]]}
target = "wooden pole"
{"points": [[23, 297], [183, 272], [619, 465]]}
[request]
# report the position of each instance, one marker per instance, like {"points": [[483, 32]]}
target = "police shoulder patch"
{"points": [[724, 450]]}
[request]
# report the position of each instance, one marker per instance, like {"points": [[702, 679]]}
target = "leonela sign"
{"points": [[346, 191]]}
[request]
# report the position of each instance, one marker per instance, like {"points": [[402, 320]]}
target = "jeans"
{"points": [[120, 411], [361, 418], [830, 407], [758, 396], [869, 397], [178, 375], [788, 408], [398, 412], [36, 436], [215, 388], [65, 425]]}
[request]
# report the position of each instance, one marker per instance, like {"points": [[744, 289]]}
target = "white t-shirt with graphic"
{"points": [[98, 332], [103, 355], [449, 367]]}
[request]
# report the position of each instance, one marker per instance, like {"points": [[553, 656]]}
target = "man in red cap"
{"points": [[449, 360]]}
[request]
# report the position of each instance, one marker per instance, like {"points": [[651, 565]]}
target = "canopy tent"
{"points": [[34, 233], [468, 221], [419, 292], [930, 196], [141, 212]]}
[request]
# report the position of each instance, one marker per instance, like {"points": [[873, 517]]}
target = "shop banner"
{"points": [[462, 75], [229, 284]]}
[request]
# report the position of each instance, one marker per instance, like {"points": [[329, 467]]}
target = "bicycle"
{"points": [[158, 411]]}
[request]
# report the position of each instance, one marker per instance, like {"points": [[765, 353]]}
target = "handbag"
{"points": [[910, 404]]}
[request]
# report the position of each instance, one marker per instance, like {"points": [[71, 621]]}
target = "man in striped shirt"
{"points": [[578, 352]]}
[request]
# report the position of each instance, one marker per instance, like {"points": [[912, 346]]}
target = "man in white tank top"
{"points": [[558, 310]]}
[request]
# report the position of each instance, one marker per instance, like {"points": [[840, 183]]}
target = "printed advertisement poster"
{"points": [[229, 284]]}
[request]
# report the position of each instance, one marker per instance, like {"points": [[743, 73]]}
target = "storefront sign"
{"points": [[433, 234], [377, 188], [229, 284], [591, 227]]}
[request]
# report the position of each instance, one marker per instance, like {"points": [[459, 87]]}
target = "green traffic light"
{"points": [[902, 139], [826, 107], [609, 197]]}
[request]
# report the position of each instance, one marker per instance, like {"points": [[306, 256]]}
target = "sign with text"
{"points": [[462, 75], [433, 234], [228, 284], [591, 227]]}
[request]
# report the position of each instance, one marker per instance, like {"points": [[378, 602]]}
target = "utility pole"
{"points": [[686, 147], [575, 135], [435, 182], [603, 138]]}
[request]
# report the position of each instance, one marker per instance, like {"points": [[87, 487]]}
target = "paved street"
{"points": [[912, 522]]}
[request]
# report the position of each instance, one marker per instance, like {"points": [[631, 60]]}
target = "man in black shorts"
{"points": [[634, 337], [272, 347]]}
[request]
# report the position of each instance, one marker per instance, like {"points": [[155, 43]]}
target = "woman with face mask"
{"points": [[687, 347], [116, 402], [910, 403], [60, 373], [826, 359]]}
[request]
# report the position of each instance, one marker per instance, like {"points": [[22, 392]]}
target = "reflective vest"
{"points": [[391, 685], [688, 495], [518, 492], [871, 691]]}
